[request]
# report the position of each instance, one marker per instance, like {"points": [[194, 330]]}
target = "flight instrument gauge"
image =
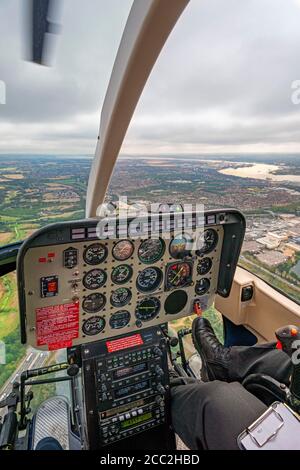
{"points": [[123, 250], [149, 279], [120, 297], [95, 254], [204, 266], [207, 242], [119, 319], [121, 274], [181, 246], [94, 302], [93, 325], [147, 309], [179, 275], [94, 279], [151, 250], [202, 286]]}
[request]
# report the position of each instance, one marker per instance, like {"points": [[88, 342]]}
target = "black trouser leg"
{"points": [[211, 415], [263, 359]]}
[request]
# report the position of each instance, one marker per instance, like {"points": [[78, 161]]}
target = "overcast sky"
{"points": [[221, 84]]}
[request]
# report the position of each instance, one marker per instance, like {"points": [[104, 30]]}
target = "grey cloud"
{"points": [[225, 58]]}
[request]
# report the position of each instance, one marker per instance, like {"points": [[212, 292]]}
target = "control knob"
{"points": [[159, 372], [161, 389], [157, 352]]}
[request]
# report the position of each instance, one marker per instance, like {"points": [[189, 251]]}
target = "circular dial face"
{"points": [[204, 266], [147, 309], [121, 274], [94, 325], [120, 297], [149, 279], [175, 302], [179, 275], [95, 254], [94, 302], [123, 250], [208, 242], [119, 319], [202, 286], [151, 250], [180, 246], [94, 279]]}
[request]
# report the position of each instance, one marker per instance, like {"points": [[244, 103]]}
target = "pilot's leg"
{"points": [[237, 362], [263, 359], [212, 414]]}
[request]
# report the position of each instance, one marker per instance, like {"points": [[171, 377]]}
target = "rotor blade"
{"points": [[148, 26], [41, 30]]}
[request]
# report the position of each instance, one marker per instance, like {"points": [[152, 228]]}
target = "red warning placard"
{"points": [[57, 325]]}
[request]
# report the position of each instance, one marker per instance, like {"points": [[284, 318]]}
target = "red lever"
{"points": [[197, 309]]}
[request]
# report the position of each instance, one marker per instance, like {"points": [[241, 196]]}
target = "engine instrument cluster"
{"points": [[75, 288]]}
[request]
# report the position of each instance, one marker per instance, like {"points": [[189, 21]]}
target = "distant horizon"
{"points": [[157, 157]]}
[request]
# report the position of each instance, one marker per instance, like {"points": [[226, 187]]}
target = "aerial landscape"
{"points": [[38, 190]]}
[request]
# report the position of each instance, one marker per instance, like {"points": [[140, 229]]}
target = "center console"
{"points": [[126, 391]]}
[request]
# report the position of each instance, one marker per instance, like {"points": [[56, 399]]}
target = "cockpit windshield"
{"points": [[217, 125]]}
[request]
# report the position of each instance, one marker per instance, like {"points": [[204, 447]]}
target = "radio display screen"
{"points": [[137, 420], [134, 388], [131, 370]]}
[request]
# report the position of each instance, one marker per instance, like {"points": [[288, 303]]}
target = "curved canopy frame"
{"points": [[148, 26]]}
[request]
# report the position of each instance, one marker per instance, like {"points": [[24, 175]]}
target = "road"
{"points": [[32, 360]]}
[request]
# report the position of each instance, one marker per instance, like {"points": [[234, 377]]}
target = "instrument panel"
{"points": [[75, 288]]}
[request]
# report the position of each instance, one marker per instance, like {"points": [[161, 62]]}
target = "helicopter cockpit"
{"points": [[104, 291]]}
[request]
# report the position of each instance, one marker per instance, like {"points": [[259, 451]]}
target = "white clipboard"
{"points": [[277, 429]]}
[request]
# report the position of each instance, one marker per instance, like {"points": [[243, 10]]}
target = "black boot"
{"points": [[215, 357]]}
